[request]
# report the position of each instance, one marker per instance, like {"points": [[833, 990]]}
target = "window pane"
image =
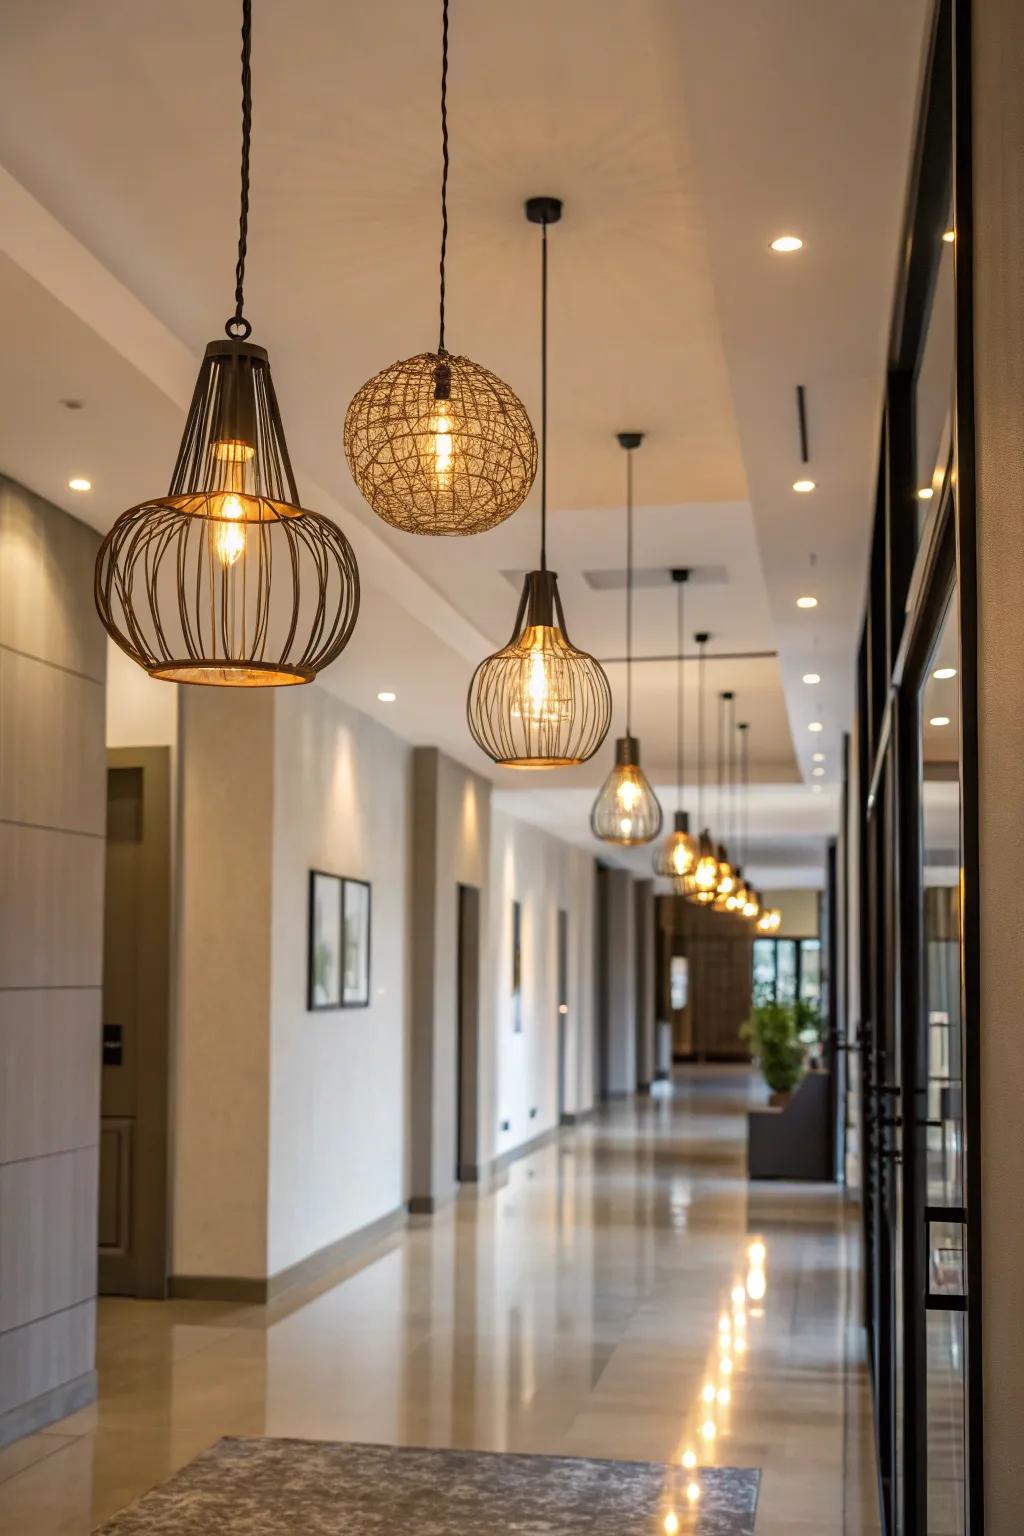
{"points": [[764, 970], [785, 957]]}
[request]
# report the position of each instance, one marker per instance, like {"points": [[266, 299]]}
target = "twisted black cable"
{"points": [[238, 327], [444, 160]]}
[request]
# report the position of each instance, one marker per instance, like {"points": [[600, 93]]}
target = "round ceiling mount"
{"points": [[543, 210]]}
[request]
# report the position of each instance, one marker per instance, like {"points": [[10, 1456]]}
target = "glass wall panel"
{"points": [[941, 861]]}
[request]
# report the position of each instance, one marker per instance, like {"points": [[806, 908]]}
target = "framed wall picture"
{"points": [[355, 992], [325, 914], [517, 967]]}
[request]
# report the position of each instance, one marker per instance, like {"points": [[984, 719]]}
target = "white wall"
{"points": [[337, 1079], [543, 873]]}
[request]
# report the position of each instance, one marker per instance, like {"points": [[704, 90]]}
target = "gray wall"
{"points": [[618, 939], [999, 402], [52, 825]]}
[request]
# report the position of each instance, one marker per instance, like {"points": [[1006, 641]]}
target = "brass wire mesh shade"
{"points": [[539, 702], [226, 579], [626, 810], [702, 881], [438, 445]]}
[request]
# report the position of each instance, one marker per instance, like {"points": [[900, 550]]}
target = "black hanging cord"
{"points": [[745, 776], [629, 591], [700, 639], [680, 578], [444, 159], [721, 761], [238, 328], [544, 395]]}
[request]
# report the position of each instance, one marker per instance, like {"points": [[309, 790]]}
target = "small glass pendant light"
{"points": [[437, 444], [677, 855], [627, 811], [227, 580], [539, 702], [703, 882]]}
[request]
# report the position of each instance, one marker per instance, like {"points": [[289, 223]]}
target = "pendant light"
{"points": [[539, 702], [739, 896], [627, 810], [436, 443], [751, 907], [726, 877], [227, 579], [703, 883], [677, 855]]}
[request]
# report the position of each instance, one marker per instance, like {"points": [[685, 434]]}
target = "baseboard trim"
{"points": [[28, 1418], [256, 1292]]}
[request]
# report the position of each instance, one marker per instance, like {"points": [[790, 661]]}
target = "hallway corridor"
{"points": [[600, 1302]]}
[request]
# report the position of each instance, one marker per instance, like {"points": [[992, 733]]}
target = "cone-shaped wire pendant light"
{"points": [[677, 855], [703, 882], [627, 810], [539, 702], [227, 579], [437, 444]]}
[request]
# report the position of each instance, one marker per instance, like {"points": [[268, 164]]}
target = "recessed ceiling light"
{"points": [[803, 487], [812, 678], [807, 602], [925, 493], [943, 672], [939, 720], [819, 773], [817, 757], [387, 697], [79, 483], [815, 725], [949, 235], [784, 244]]}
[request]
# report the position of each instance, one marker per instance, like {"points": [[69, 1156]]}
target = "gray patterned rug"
{"points": [[316, 1488]]}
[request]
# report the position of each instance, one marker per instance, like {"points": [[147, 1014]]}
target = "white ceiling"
{"points": [[682, 134]]}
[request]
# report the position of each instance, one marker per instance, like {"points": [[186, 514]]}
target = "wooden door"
{"points": [[135, 1073]]}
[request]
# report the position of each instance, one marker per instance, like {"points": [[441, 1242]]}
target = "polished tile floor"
{"points": [[626, 1293]]}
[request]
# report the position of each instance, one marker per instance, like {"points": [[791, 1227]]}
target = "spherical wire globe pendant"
{"points": [[437, 444], [227, 580]]}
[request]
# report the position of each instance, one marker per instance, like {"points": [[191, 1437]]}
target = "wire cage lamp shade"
{"points": [[539, 702], [436, 443], [626, 811], [227, 579]]}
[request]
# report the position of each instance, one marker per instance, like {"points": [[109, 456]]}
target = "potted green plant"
{"points": [[773, 1033]]}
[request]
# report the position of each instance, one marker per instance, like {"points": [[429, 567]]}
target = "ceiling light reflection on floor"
{"points": [[708, 1430], [670, 1524], [689, 1459], [942, 673], [939, 720], [693, 1491]]}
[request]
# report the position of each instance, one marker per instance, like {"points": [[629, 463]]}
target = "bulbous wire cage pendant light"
{"points": [[627, 811], [540, 702], [677, 855], [437, 444], [227, 580]]}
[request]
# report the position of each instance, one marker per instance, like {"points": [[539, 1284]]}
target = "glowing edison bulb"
{"points": [[682, 857], [229, 538], [757, 1285], [724, 1396], [708, 1394], [444, 448], [757, 1253], [689, 1460], [751, 907], [537, 696], [738, 1295], [725, 1366], [724, 1325], [707, 1429], [741, 1346], [670, 1525]]}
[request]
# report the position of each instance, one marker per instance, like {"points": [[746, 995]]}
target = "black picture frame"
{"points": [[356, 994], [323, 965]]}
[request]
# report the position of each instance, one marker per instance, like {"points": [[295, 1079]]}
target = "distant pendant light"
{"points": [[676, 857], [726, 888], [627, 810], [751, 904], [703, 883], [539, 702], [227, 579], [437, 444]]}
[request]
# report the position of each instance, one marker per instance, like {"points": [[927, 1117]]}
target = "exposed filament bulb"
{"points": [[444, 450]]}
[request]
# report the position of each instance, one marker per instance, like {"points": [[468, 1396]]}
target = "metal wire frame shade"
{"points": [[677, 855], [539, 702], [626, 811], [227, 579], [438, 445]]}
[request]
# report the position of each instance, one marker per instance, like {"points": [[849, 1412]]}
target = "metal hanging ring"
{"points": [[238, 329]]}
